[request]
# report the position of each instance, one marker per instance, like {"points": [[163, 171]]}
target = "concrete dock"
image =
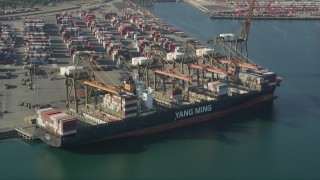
{"points": [[48, 88]]}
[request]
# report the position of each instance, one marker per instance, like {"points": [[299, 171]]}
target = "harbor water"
{"points": [[264, 142]]}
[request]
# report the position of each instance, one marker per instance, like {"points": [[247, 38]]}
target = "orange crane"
{"points": [[247, 23], [240, 64], [209, 69], [93, 83], [105, 87], [171, 74]]}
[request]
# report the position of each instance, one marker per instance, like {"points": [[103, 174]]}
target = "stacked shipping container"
{"points": [[140, 61], [217, 87], [174, 95], [259, 79], [155, 27], [38, 46], [7, 43], [103, 35], [72, 35], [124, 104], [56, 121]]}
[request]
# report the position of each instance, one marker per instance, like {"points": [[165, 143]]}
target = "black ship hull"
{"points": [[159, 121]]}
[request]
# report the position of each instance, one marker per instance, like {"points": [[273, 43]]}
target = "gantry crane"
{"points": [[245, 28], [233, 54], [86, 77], [240, 64]]}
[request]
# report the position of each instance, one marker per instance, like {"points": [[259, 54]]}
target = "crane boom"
{"points": [[241, 64], [101, 86], [249, 18], [178, 76], [210, 69]]}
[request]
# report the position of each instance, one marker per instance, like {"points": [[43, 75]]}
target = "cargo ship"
{"points": [[175, 81], [146, 124]]}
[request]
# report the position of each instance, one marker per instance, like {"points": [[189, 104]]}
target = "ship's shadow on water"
{"points": [[216, 130]]}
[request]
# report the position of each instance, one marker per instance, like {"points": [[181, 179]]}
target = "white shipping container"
{"points": [[228, 37], [217, 87], [54, 126], [250, 78], [69, 70], [135, 61], [204, 51], [139, 61], [174, 56], [40, 122]]}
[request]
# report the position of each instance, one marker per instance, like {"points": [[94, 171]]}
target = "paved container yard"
{"points": [[48, 88]]}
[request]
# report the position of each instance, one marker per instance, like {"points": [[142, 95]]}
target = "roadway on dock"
{"points": [[44, 91]]}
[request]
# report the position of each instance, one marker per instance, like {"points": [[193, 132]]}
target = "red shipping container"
{"points": [[48, 113], [69, 125], [116, 100], [43, 113], [172, 47]]}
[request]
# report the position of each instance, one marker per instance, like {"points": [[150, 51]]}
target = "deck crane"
{"points": [[185, 78], [104, 87], [169, 69], [209, 69], [207, 63], [245, 28], [241, 64], [247, 23], [234, 53], [87, 78], [174, 75]]}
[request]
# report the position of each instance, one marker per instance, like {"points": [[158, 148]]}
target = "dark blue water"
{"points": [[266, 142]]}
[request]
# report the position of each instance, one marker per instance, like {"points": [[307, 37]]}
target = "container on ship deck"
{"points": [[217, 87], [39, 111], [130, 105], [68, 125], [39, 122], [46, 114], [60, 117]]}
